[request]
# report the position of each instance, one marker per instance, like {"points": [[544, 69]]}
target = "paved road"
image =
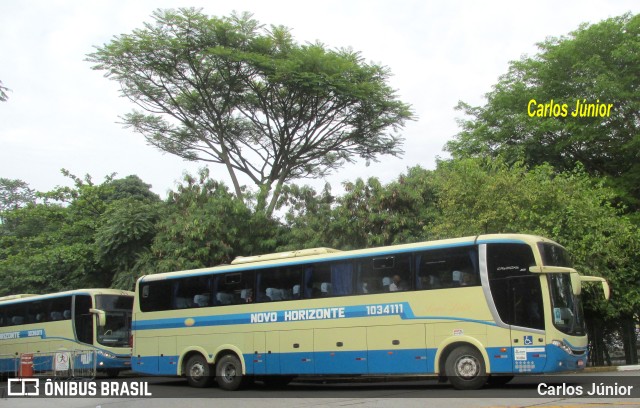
{"points": [[522, 392]]}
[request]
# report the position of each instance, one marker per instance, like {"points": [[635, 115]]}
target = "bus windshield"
{"points": [[568, 316], [117, 329]]}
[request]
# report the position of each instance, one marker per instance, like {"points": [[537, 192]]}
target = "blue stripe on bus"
{"points": [[280, 316], [406, 361]]}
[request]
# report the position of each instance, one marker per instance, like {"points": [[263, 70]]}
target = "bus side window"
{"points": [[446, 268], [193, 291], [380, 274], [229, 287], [156, 296], [277, 284], [314, 277]]}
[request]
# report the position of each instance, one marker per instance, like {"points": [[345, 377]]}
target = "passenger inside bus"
{"points": [[386, 282], [246, 295], [398, 284]]}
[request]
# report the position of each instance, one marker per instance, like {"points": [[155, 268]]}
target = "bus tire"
{"points": [[198, 372], [465, 368], [229, 373]]}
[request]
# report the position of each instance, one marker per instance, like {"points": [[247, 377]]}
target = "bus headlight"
{"points": [[562, 346], [106, 354]]}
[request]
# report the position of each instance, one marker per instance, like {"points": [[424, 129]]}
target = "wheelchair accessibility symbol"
{"points": [[528, 340]]}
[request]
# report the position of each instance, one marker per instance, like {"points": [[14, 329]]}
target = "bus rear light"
{"points": [[131, 340]]}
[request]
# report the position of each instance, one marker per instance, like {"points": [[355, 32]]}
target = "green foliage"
{"points": [[77, 236], [489, 196], [369, 214], [14, 194], [203, 224], [229, 91], [595, 62]]}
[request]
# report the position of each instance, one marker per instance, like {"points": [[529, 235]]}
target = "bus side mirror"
{"points": [[605, 284], [576, 284], [102, 316]]}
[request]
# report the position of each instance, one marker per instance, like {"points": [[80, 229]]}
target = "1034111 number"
{"points": [[388, 309]]}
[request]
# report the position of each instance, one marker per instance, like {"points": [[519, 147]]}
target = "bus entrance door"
{"points": [[527, 325]]}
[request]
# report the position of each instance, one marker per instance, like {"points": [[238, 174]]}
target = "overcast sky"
{"points": [[62, 114]]}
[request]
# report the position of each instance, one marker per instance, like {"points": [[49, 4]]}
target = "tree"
{"points": [[229, 91], [598, 62], [14, 194], [572, 208], [203, 225], [88, 235], [369, 214]]}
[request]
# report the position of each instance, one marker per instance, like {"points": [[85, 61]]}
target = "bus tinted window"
{"points": [[233, 288], [517, 293], [447, 268], [194, 291], [328, 279], [37, 311], [277, 284], [15, 314], [554, 255], [156, 295], [84, 319], [376, 274]]}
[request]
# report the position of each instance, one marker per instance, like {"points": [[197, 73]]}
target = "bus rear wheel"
{"points": [[229, 373], [198, 372], [465, 368]]}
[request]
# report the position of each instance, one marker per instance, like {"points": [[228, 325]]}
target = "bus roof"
{"points": [[283, 255], [286, 258], [30, 297], [14, 297]]}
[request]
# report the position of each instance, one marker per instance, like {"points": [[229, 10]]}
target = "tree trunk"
{"points": [[629, 340]]}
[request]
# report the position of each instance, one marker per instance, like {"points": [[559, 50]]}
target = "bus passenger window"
{"points": [[277, 284], [446, 268], [229, 287], [383, 274]]}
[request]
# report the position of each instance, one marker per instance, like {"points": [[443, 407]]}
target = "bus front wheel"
{"points": [[229, 373], [198, 372], [465, 368]]}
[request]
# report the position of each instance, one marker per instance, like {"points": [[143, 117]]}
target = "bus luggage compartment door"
{"points": [[341, 350]]}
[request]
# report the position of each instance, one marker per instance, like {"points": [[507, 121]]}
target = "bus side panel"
{"points": [[273, 352], [501, 354], [296, 352], [145, 355], [341, 351], [168, 358], [397, 349], [264, 357]]}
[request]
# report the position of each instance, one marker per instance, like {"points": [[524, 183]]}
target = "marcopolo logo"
{"points": [[33, 387]]}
